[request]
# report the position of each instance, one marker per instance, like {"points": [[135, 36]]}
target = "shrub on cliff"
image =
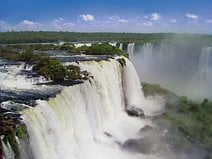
{"points": [[53, 70], [72, 72], [103, 49]]}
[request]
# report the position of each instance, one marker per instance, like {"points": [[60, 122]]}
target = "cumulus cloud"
{"points": [[58, 20], [28, 22], [173, 21], [87, 17], [191, 16], [146, 17], [147, 24], [155, 16], [114, 17], [27, 25], [61, 24], [4, 26], [123, 20], [2, 22], [69, 24]]}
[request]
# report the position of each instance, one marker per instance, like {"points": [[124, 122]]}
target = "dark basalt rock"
{"points": [[133, 111], [108, 134], [10, 115], [11, 106], [142, 145], [26, 96], [62, 83], [29, 74], [147, 128], [112, 137]]}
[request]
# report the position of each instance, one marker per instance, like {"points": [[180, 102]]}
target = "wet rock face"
{"points": [[27, 97], [147, 128], [142, 145], [136, 112]]}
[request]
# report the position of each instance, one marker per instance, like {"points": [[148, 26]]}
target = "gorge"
{"points": [[103, 114], [183, 67]]}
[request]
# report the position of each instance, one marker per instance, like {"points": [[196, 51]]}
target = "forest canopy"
{"points": [[47, 36]]}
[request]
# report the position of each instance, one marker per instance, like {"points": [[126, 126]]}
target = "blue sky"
{"points": [[108, 15]]}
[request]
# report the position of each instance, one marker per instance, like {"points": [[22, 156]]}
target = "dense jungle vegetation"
{"points": [[44, 37]]}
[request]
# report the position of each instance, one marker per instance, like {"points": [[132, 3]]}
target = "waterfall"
{"points": [[121, 46], [77, 45], [88, 121], [147, 50], [130, 49], [8, 152], [113, 43], [176, 66], [204, 62], [203, 76]]}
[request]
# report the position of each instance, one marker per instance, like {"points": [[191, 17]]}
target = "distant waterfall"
{"points": [[204, 62], [130, 49], [121, 46], [88, 121], [113, 43], [176, 66]]}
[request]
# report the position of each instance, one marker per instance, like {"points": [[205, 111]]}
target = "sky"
{"points": [[192, 16]]}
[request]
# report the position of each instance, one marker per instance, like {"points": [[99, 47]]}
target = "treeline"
{"points": [[44, 36], [95, 49], [52, 69], [41, 37]]}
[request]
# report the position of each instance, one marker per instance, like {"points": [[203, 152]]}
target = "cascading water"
{"points": [[88, 120], [205, 63], [12, 77], [130, 49], [8, 152], [113, 43], [203, 77], [121, 46]]}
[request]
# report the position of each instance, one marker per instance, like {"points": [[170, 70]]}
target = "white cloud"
{"points": [[69, 24], [58, 20], [146, 17], [123, 20], [4, 26], [114, 17], [147, 24], [191, 16], [209, 21], [155, 16], [173, 21], [87, 17], [2, 22], [27, 22], [115, 23], [27, 25]]}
